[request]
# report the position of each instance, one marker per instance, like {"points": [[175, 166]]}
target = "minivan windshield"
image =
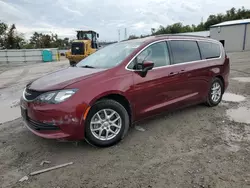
{"points": [[109, 56]]}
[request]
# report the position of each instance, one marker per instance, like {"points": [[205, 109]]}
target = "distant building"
{"points": [[234, 35]]}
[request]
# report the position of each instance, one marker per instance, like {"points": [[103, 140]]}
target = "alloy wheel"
{"points": [[216, 92], [105, 124]]}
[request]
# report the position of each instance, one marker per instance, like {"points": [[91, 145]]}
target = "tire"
{"points": [[211, 102], [72, 63], [119, 111]]}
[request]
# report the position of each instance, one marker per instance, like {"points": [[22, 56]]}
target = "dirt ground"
{"points": [[193, 147], [13, 80]]}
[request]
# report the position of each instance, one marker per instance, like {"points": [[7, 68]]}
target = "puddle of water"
{"points": [[241, 114], [242, 79], [231, 97]]}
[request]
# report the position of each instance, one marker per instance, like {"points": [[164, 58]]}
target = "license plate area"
{"points": [[24, 113]]}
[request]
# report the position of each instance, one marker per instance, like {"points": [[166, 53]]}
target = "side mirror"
{"points": [[148, 65], [143, 68], [97, 35]]}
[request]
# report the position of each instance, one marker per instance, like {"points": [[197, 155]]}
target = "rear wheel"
{"points": [[106, 124], [215, 92]]}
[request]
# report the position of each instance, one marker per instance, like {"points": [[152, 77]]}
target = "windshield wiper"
{"points": [[87, 66]]}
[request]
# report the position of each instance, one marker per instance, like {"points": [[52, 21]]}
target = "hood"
{"points": [[62, 78]]}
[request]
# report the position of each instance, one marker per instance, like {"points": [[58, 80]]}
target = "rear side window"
{"points": [[184, 51], [209, 50]]}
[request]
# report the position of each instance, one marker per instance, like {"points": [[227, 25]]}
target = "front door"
{"points": [[162, 87]]}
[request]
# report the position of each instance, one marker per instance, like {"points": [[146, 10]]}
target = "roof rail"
{"points": [[181, 35]]}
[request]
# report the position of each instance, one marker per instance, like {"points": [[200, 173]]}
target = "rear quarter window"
{"points": [[184, 51], [209, 50]]}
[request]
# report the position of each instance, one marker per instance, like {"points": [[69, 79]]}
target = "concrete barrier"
{"points": [[24, 56]]}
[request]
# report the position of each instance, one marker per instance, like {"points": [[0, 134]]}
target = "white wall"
{"points": [[22, 56], [247, 45], [233, 36]]}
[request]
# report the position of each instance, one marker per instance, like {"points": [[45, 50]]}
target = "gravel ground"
{"points": [[193, 147]]}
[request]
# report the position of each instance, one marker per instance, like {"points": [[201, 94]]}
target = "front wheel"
{"points": [[106, 124], [215, 92]]}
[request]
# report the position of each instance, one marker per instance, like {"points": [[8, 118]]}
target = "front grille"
{"points": [[41, 126], [31, 94], [77, 48]]}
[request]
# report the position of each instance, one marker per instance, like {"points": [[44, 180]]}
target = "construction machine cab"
{"points": [[85, 45], [88, 35]]}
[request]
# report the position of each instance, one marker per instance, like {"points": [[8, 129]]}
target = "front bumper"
{"points": [[61, 121], [50, 134]]}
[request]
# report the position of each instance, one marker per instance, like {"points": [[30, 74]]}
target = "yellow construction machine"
{"points": [[85, 45]]}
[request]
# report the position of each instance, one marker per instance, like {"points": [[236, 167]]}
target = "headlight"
{"points": [[54, 97]]}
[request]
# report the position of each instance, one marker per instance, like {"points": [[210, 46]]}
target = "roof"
{"points": [[139, 39], [179, 35], [233, 22], [154, 38]]}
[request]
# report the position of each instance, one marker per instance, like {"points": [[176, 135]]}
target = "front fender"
{"points": [[104, 94]]}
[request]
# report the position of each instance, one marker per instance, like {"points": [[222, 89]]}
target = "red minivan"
{"points": [[122, 83]]}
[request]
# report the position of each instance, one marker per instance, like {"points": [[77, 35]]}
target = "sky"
{"points": [[106, 17]]}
